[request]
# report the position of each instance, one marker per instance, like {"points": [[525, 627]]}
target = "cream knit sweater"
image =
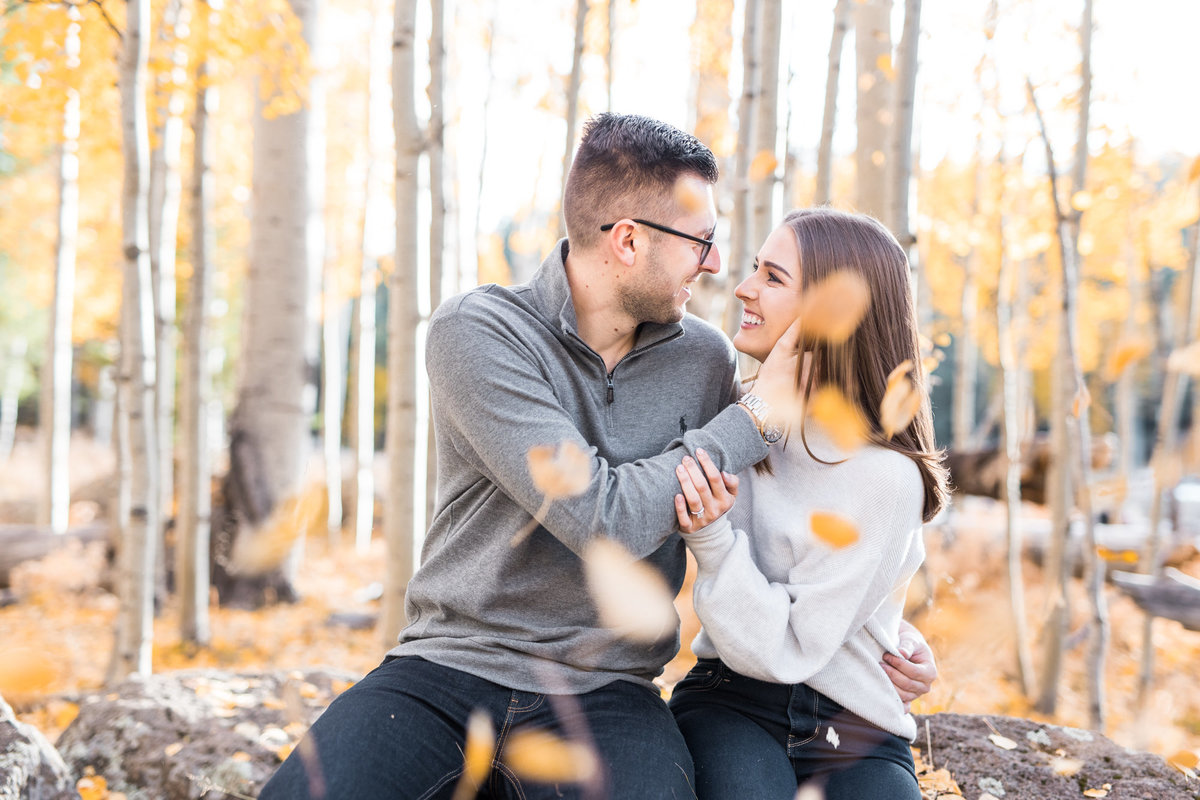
{"points": [[779, 605]]}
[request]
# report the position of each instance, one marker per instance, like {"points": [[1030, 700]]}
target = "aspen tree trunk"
{"points": [[610, 31], [276, 394], [436, 150], [1127, 399], [966, 354], [10, 393], [766, 126], [874, 112], [140, 522], [333, 385], [581, 8], [1079, 429], [407, 419], [1166, 446], [55, 412], [900, 159], [841, 23], [195, 458], [479, 238], [741, 229], [165, 191]]}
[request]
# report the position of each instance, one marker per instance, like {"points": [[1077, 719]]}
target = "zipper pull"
{"points": [[609, 376]]}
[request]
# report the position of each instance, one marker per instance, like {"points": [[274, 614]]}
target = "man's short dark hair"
{"points": [[627, 166]]}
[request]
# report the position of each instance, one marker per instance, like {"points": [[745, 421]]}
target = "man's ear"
{"points": [[621, 241]]}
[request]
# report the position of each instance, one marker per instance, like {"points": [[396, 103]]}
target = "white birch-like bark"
{"points": [[874, 113], [165, 193], [195, 458], [900, 157], [841, 23], [766, 127], [333, 378], [137, 413], [480, 239], [741, 222], [609, 62], [55, 416], [435, 144], [10, 393], [581, 8], [407, 418]]}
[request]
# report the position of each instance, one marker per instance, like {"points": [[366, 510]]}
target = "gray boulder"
{"points": [[1013, 759], [196, 734], [30, 767]]}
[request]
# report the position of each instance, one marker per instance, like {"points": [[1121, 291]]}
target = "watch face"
{"points": [[772, 433]]}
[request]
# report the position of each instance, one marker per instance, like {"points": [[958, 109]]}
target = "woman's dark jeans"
{"points": [[399, 734], [753, 739]]}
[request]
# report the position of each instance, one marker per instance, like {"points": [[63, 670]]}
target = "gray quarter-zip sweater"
{"points": [[507, 372]]}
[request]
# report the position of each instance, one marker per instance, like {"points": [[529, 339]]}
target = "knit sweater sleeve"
{"points": [[785, 631], [498, 402]]}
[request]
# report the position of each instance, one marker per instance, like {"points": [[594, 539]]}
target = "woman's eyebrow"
{"points": [[776, 267]]}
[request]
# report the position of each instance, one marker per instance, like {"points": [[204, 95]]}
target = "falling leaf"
{"points": [[762, 165], [884, 64], [838, 417], [1082, 200], [539, 755], [559, 470], [1125, 353], [901, 371], [832, 737], [832, 309], [1003, 742], [690, 194], [1186, 360], [833, 529], [1083, 399], [23, 670], [1194, 172], [900, 403], [1117, 556], [631, 597], [477, 756], [265, 547], [1067, 767], [809, 791]]}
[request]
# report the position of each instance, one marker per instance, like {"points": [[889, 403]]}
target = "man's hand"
{"points": [[914, 674]]}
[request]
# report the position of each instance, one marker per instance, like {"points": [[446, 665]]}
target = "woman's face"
{"points": [[771, 295]]}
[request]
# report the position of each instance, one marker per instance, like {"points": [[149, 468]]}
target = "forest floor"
{"points": [[58, 637]]}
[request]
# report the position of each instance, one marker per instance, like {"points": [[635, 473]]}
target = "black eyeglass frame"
{"points": [[706, 244]]}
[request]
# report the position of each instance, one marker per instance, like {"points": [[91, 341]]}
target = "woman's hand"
{"points": [[706, 495], [914, 674]]}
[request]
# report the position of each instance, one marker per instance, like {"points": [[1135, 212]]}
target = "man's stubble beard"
{"points": [[649, 298]]}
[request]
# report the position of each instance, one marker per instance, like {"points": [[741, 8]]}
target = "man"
{"points": [[594, 353]]}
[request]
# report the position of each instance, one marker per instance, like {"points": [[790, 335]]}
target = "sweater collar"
{"points": [[553, 294]]}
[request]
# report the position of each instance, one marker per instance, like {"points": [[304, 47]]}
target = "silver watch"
{"points": [[758, 408]]}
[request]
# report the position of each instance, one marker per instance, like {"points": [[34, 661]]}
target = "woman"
{"points": [[790, 687]]}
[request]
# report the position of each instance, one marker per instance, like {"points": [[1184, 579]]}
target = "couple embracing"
{"points": [[805, 666]]}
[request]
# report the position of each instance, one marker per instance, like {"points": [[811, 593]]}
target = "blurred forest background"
{"points": [[224, 224]]}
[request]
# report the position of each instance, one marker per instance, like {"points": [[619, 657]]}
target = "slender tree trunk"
{"points": [[195, 461], [766, 127], [873, 51], [841, 24], [609, 62], [480, 239], [140, 524], [966, 354], [581, 8], [407, 419], [741, 223], [55, 416], [10, 393], [165, 191], [436, 148], [334, 384]]}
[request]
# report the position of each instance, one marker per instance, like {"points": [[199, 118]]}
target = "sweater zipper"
{"points": [[609, 378]]}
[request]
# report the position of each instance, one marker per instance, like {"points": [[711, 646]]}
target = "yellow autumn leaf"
{"points": [[690, 195], [1185, 360], [1187, 759], [1067, 767], [838, 417], [559, 470], [265, 547], [477, 755], [1125, 353], [884, 64], [538, 755], [1095, 792], [901, 371], [900, 404], [92, 787], [1003, 742], [1194, 172], [1083, 399], [832, 309], [1082, 200], [24, 670], [1117, 556], [833, 529], [173, 749], [631, 597], [762, 165]]}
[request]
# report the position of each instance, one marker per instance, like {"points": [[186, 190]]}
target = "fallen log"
{"points": [[1172, 595], [20, 543]]}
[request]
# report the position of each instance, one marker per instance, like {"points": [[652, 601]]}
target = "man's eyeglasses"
{"points": [[705, 244]]}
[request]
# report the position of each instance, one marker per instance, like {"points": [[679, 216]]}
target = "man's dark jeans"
{"points": [[399, 733], [750, 738]]}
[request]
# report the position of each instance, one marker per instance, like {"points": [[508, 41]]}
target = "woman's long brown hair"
{"points": [[833, 241]]}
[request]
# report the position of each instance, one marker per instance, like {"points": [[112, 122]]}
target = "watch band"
{"points": [[760, 410]]}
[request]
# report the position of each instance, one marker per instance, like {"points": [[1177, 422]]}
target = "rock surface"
{"points": [[30, 767], [196, 734], [1014, 759]]}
